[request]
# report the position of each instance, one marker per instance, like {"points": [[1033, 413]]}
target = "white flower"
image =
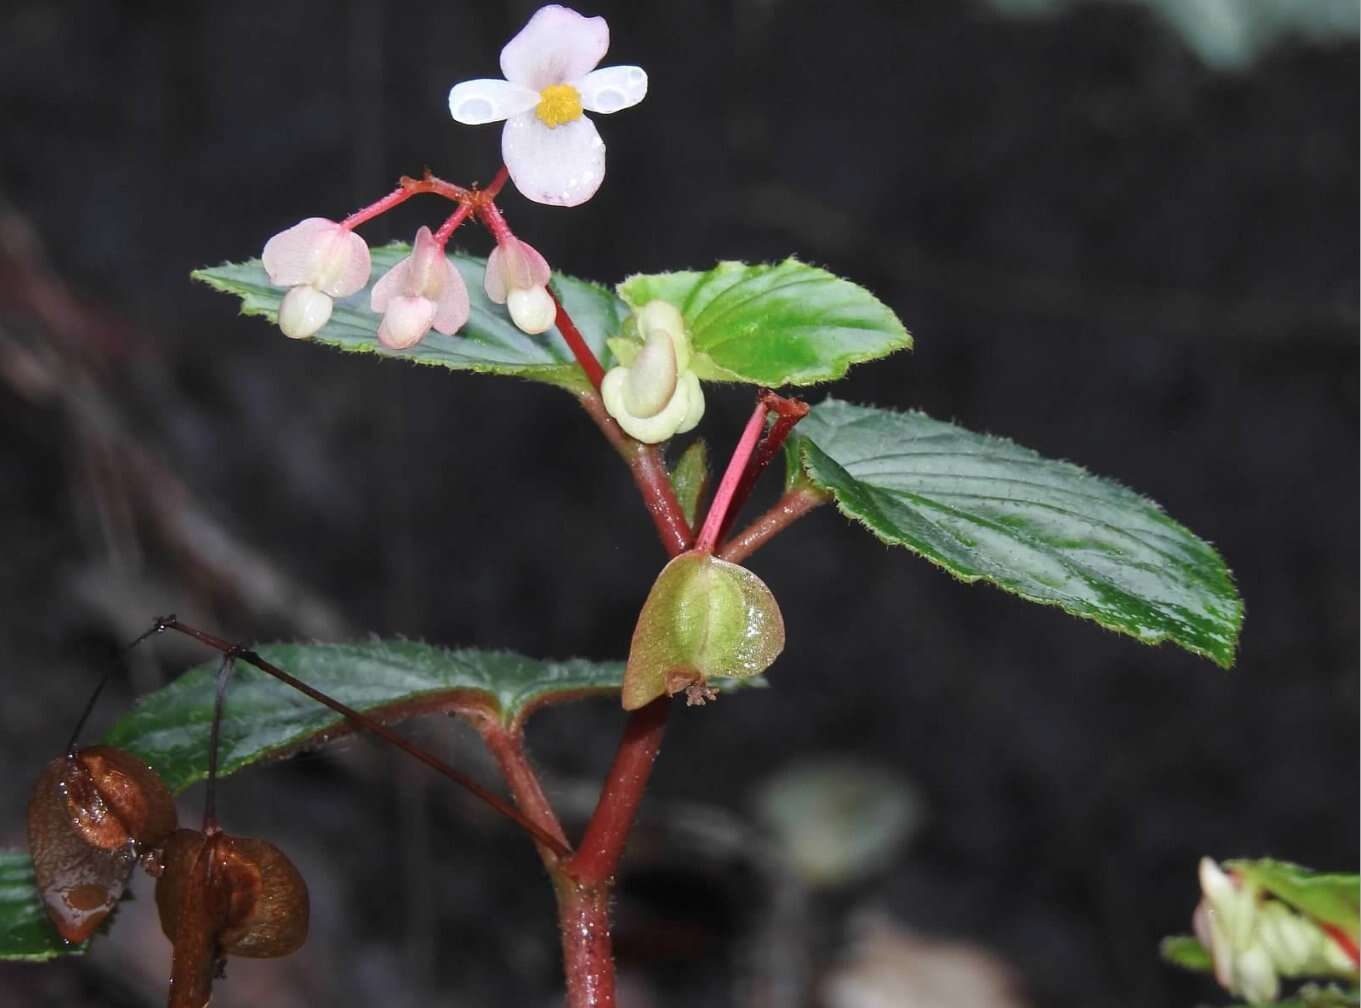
{"points": [[319, 260], [1254, 940], [517, 277], [551, 149], [655, 395], [422, 292]]}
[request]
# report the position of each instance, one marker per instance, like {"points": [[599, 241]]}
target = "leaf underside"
{"points": [[389, 680], [773, 324], [984, 508], [26, 935], [489, 343]]}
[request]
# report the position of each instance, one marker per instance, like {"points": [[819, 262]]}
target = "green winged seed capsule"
{"points": [[704, 618]]}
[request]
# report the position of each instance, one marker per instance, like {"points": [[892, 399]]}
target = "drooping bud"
{"points": [[220, 895], [320, 260], [517, 276], [303, 312], [90, 815], [426, 275], [705, 618]]}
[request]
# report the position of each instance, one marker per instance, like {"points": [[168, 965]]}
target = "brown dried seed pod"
{"points": [[87, 816], [221, 895]]}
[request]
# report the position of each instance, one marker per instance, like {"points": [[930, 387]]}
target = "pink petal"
{"points": [[452, 308], [290, 257], [426, 275], [514, 265], [557, 46], [391, 284], [343, 264], [561, 165]]}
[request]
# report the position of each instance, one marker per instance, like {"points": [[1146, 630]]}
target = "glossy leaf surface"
{"points": [[489, 343], [690, 478], [389, 680], [984, 508], [1187, 952], [773, 324], [26, 934]]}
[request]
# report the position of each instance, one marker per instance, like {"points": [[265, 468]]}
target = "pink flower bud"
{"points": [[421, 292], [318, 253], [517, 276]]}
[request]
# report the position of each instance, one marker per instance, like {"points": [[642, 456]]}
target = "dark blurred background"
{"points": [[1122, 234]]}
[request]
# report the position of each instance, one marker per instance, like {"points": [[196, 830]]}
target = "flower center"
{"points": [[558, 104]]}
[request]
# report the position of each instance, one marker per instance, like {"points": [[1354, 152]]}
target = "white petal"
{"points": [[610, 89], [694, 412], [651, 381], [560, 165], [476, 102], [558, 45]]}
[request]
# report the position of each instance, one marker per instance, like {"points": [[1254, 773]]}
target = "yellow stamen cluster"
{"points": [[558, 104]]}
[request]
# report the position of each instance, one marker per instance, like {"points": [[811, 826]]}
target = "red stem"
{"points": [[406, 188], [732, 476], [649, 474], [587, 956], [784, 512], [787, 412], [494, 187], [583, 353], [507, 746], [368, 724], [603, 842], [452, 223]]}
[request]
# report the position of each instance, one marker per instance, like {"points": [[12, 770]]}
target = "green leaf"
{"points": [[489, 343], [704, 620], [1314, 996], [1188, 953], [26, 935], [690, 477], [785, 324], [1329, 898], [389, 680], [984, 508]]}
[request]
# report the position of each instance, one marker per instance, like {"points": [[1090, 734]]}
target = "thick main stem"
{"points": [[587, 952]]}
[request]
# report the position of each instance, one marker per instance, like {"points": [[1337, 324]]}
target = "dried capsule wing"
{"points": [[80, 883]]}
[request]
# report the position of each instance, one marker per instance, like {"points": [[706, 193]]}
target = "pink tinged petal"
{"points": [[557, 46], [532, 310], [452, 306], [428, 266], [391, 284], [290, 257], [514, 265], [406, 322], [303, 312], [343, 264], [476, 102], [610, 89], [560, 166]]}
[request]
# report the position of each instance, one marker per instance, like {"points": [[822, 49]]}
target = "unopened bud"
{"points": [[303, 312], [651, 381], [406, 322], [531, 309]]}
